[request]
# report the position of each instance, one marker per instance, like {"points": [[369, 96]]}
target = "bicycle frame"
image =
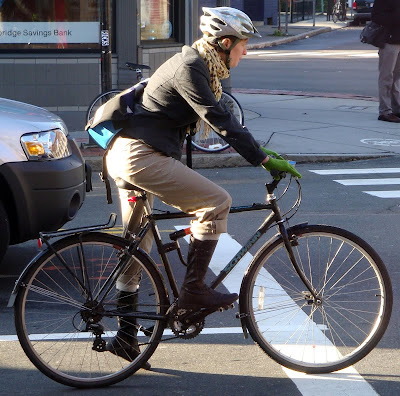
{"points": [[273, 218]]}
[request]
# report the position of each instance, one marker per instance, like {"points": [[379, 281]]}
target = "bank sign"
{"points": [[49, 32]]}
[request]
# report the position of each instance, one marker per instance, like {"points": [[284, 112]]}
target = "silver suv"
{"points": [[42, 173]]}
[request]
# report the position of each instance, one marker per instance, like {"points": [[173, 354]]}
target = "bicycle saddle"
{"points": [[124, 185]]}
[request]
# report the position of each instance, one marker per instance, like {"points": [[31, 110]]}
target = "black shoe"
{"points": [[389, 118], [205, 298], [125, 350]]}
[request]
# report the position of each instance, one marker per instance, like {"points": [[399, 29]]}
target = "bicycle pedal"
{"points": [[226, 307]]}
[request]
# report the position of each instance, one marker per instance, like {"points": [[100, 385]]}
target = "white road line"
{"points": [[167, 332], [313, 54], [384, 194], [344, 382], [355, 171], [368, 182]]}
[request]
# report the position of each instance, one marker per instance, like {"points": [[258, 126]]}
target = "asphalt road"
{"points": [[334, 62]]}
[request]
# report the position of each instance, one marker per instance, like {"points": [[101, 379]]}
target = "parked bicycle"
{"points": [[210, 143], [338, 12], [315, 298]]}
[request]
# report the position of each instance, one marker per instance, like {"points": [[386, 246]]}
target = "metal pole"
{"points": [[287, 17], [313, 11], [105, 36]]}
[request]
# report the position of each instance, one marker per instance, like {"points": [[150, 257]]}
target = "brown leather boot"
{"points": [[125, 343], [195, 294]]}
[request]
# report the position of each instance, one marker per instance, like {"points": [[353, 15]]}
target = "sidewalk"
{"points": [[306, 127]]}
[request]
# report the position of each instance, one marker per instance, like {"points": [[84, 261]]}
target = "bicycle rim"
{"points": [[52, 313], [99, 101], [356, 301], [213, 142]]}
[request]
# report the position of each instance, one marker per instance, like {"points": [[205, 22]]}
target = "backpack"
{"points": [[109, 117]]}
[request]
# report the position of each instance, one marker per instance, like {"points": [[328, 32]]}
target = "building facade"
{"points": [[51, 50]]}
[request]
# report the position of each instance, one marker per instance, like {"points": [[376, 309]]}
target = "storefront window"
{"points": [[49, 24], [157, 19]]}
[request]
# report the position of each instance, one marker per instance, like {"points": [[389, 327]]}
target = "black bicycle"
{"points": [[209, 142], [315, 298]]}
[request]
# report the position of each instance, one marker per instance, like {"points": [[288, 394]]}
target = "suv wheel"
{"points": [[4, 231]]}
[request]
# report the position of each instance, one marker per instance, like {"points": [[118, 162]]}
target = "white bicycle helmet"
{"points": [[226, 21]]}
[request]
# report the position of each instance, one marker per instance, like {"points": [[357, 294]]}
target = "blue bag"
{"points": [[109, 117], [103, 133]]}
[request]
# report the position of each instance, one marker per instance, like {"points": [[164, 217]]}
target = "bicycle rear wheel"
{"points": [[60, 323], [355, 292], [100, 100], [213, 143]]}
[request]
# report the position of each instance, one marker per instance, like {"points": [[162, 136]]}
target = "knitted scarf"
{"points": [[218, 71]]}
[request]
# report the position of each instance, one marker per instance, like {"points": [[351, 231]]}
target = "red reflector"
{"points": [[40, 244], [188, 231], [132, 199]]}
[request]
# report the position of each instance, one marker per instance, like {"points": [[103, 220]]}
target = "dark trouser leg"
{"points": [[195, 294], [125, 343]]}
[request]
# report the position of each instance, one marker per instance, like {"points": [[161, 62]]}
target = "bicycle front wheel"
{"points": [[315, 337], [213, 143], [64, 324], [99, 101]]}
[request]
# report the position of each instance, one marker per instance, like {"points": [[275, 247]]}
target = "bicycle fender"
{"points": [[17, 284]]}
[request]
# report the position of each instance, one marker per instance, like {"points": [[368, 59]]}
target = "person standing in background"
{"points": [[387, 14]]}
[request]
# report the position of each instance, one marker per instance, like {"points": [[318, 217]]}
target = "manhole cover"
{"points": [[381, 142]]}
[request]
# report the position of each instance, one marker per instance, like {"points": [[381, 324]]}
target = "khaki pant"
{"points": [[389, 79], [173, 183]]}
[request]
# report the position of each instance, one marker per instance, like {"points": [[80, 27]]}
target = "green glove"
{"points": [[271, 153], [280, 165]]}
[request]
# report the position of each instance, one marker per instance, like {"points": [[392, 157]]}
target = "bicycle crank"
{"points": [[180, 325]]}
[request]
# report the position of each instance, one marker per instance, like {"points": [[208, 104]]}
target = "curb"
{"points": [[286, 40], [260, 91]]}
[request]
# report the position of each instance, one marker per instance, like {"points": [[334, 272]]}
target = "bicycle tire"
{"points": [[100, 100], [355, 290], [51, 315], [213, 143]]}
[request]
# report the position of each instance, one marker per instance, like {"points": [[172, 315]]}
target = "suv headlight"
{"points": [[46, 145]]}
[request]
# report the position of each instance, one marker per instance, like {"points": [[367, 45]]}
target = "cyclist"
{"points": [[185, 89]]}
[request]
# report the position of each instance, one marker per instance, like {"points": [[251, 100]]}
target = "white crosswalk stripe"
{"points": [[384, 181], [313, 54]]}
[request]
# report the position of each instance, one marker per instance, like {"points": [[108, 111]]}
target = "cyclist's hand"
{"points": [[271, 153], [280, 165]]}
